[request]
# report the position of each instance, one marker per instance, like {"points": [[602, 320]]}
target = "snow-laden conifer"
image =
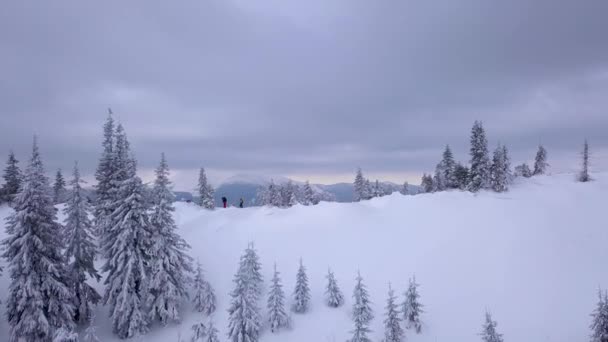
{"points": [[204, 296], [488, 332], [412, 308], [362, 313], [333, 295], [205, 191], [392, 323], [12, 179], [584, 174], [479, 173], [540, 161], [301, 293], [599, 324], [59, 188], [277, 314]]}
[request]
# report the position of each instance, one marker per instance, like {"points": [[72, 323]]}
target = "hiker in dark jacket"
{"points": [[241, 203], [225, 201]]}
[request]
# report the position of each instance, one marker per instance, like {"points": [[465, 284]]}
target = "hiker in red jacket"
{"points": [[225, 201]]}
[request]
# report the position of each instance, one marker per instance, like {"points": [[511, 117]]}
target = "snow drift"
{"points": [[533, 256]]}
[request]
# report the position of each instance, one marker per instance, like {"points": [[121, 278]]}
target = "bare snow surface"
{"points": [[534, 257]]}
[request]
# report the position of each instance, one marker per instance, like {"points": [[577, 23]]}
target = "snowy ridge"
{"points": [[533, 256]]}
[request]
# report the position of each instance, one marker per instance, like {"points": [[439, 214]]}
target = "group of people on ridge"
{"points": [[225, 202]]}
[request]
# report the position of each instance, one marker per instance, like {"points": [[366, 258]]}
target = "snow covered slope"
{"points": [[534, 257]]}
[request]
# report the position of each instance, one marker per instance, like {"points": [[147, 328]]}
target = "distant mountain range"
{"points": [[247, 187]]}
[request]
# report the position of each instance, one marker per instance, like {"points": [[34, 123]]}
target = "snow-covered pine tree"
{"points": [[362, 312], [427, 183], [301, 294], [81, 250], [377, 190], [488, 332], [333, 296], [307, 194], [461, 174], [392, 323], [170, 265], [412, 308], [126, 246], [599, 325], [448, 167], [523, 170], [405, 189], [212, 333], [540, 161], [506, 164], [199, 332], [105, 170], [479, 173], [40, 299], [65, 335], [205, 191], [438, 179], [244, 321], [584, 174], [275, 194], [277, 315], [12, 179], [58, 188], [499, 178], [289, 193], [204, 296], [90, 333], [360, 190]]}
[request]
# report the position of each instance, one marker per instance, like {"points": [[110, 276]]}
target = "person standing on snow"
{"points": [[241, 202], [225, 201]]}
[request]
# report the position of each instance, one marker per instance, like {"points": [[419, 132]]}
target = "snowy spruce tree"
{"points": [[479, 173], [277, 315], [405, 189], [362, 188], [488, 332], [584, 174], [599, 324], [461, 175], [105, 187], [204, 296], [301, 294], [412, 308], [540, 161], [65, 335], [438, 179], [90, 333], [523, 170], [170, 265], [333, 295], [392, 323], [499, 170], [59, 188], [307, 194], [205, 191], [40, 298], [81, 251], [362, 312], [244, 321], [212, 333], [426, 184], [448, 167], [12, 179], [126, 245]]}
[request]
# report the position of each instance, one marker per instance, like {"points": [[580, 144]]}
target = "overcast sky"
{"points": [[306, 89]]}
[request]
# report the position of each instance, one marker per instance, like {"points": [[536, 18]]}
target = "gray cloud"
{"points": [[302, 88]]}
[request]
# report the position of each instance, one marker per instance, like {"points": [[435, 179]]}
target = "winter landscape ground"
{"points": [[533, 256]]}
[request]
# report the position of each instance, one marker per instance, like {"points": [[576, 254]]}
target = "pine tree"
{"points": [[205, 191], [333, 296], [81, 251], [301, 294], [204, 296], [65, 335], [479, 172], [448, 167], [126, 246], [523, 170], [540, 161], [199, 332], [244, 312], [105, 188], [362, 312], [438, 179], [40, 299], [392, 323], [307, 194], [274, 193], [405, 189], [599, 326], [498, 171], [90, 333], [360, 190], [461, 174], [277, 315], [427, 183], [212, 333], [377, 190], [584, 175], [488, 332], [170, 264], [12, 179], [412, 309], [58, 188]]}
